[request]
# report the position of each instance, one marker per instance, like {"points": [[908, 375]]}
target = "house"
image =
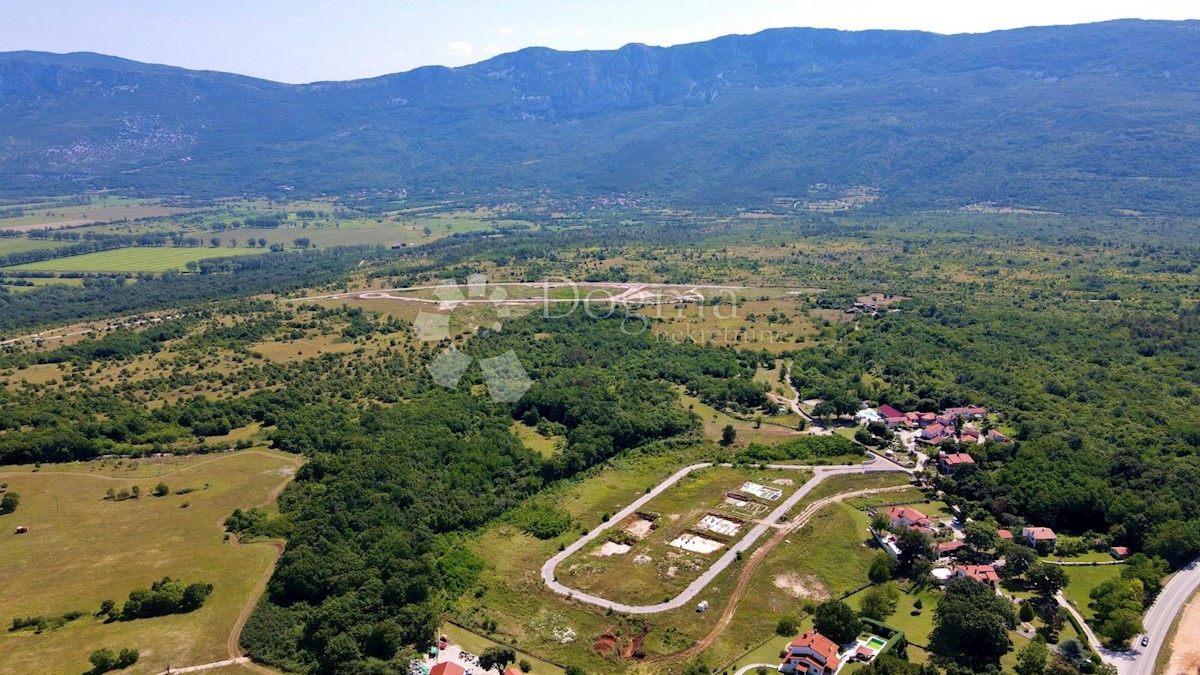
{"points": [[981, 573], [1040, 537], [947, 420], [970, 412], [1004, 535], [512, 671], [1119, 552], [949, 462], [968, 436], [447, 669], [893, 417], [810, 654], [993, 435], [925, 419], [945, 548], [933, 431], [902, 517], [888, 542]]}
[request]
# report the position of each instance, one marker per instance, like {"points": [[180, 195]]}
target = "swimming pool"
{"points": [[876, 643]]}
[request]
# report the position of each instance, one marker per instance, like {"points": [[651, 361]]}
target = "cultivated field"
{"points": [[133, 259], [82, 549]]}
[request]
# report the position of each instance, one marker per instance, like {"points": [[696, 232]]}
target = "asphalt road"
{"points": [[1170, 602], [875, 465]]}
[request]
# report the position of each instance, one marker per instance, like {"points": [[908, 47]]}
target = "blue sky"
{"points": [[305, 40]]}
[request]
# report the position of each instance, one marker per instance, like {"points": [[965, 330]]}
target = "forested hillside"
{"points": [[1051, 118]]}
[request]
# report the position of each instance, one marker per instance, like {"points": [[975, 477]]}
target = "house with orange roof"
{"points": [[811, 654]]}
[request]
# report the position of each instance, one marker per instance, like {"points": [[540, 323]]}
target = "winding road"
{"points": [[772, 521]]}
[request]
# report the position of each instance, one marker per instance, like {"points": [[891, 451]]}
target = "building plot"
{"points": [[762, 491], [697, 544], [671, 539], [719, 525]]}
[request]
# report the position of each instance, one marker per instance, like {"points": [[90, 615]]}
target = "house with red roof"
{"points": [[447, 668], [945, 548], [982, 573], [810, 654], [1004, 535], [970, 412], [993, 435], [968, 436], [892, 416], [1041, 538], [933, 431], [949, 462], [903, 517]]}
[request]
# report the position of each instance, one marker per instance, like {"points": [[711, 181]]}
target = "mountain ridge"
{"points": [[1063, 119]]}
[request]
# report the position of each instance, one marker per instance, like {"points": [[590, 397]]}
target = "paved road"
{"points": [[1170, 602], [820, 473]]}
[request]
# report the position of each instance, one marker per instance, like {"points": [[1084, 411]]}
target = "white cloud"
{"points": [[505, 30], [460, 48]]}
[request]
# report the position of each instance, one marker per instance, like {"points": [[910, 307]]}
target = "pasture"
{"points": [[133, 259], [82, 549]]}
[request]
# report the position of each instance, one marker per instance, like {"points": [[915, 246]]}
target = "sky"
{"points": [[306, 40]]}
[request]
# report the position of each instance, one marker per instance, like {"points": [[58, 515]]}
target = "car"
{"points": [[1145, 640]]}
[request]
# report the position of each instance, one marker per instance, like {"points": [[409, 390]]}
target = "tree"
{"points": [[136, 491], [301, 242], [1073, 651], [496, 658], [1031, 660], [880, 522], [1121, 626], [981, 536], [233, 242], [215, 242], [575, 670], [192, 266], [879, 602], [103, 660], [161, 490], [276, 248], [883, 568], [825, 410], [971, 624], [835, 620], [914, 545], [525, 666], [1047, 579], [262, 242], [789, 624], [9, 502], [127, 657], [728, 435], [1026, 612], [1017, 560]]}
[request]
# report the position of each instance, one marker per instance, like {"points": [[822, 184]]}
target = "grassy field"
{"points": [[545, 446], [22, 244], [475, 644], [133, 259], [1085, 578], [82, 549]]}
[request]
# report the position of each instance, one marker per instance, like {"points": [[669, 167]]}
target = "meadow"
{"points": [[133, 259], [82, 549]]}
